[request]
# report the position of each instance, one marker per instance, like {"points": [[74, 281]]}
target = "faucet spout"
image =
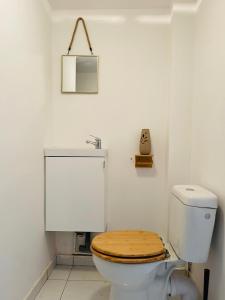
{"points": [[97, 142]]}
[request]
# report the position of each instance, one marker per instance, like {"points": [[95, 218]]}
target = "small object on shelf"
{"points": [[145, 142], [143, 161]]}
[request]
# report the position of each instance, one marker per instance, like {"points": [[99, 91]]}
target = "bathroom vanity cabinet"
{"points": [[75, 190]]}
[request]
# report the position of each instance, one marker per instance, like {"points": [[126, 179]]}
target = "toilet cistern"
{"points": [[97, 142]]}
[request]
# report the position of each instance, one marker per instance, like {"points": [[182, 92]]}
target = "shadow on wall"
{"points": [[217, 255]]}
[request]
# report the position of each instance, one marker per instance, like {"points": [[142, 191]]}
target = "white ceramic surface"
{"points": [[54, 151], [86, 290], [52, 290], [138, 281], [60, 273], [190, 225], [81, 283], [85, 273]]}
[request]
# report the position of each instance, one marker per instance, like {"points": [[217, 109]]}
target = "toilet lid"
{"points": [[125, 260], [129, 246]]}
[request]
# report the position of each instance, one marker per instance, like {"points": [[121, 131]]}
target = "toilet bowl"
{"points": [[139, 264], [135, 270]]}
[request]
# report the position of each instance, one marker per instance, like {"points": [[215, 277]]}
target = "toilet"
{"points": [[140, 264]]}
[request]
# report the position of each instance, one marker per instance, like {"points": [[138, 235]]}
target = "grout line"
{"points": [[57, 279], [69, 280], [65, 284], [95, 280], [69, 273], [63, 291]]}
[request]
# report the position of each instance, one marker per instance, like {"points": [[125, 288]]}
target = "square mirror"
{"points": [[79, 74]]}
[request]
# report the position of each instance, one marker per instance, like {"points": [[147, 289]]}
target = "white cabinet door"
{"points": [[75, 198]]}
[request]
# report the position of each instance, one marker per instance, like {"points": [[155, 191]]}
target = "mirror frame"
{"points": [[97, 74]]}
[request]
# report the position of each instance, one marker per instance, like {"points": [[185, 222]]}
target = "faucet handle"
{"points": [[95, 137], [97, 143]]}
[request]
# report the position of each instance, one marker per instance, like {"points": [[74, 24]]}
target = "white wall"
{"points": [[208, 142], [133, 94], [181, 94], [25, 76]]}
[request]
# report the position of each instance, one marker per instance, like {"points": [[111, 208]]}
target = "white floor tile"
{"points": [[85, 273], [52, 290], [61, 272], [86, 290]]}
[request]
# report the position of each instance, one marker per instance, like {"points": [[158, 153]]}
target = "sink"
{"points": [[75, 152]]}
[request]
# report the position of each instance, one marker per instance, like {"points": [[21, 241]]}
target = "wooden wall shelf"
{"points": [[143, 161]]}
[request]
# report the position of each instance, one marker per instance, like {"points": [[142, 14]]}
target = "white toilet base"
{"points": [[135, 282], [139, 281]]}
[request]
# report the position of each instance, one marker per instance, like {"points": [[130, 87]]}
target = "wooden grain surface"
{"points": [[124, 260], [129, 244]]}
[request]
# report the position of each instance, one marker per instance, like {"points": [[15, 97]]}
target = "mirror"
{"points": [[79, 74]]}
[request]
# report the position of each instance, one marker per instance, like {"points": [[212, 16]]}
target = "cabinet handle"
{"points": [[104, 164]]}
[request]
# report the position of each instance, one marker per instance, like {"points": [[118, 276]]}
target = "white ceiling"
{"points": [[114, 4]]}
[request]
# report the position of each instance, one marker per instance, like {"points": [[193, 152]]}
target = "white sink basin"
{"points": [[75, 152]]}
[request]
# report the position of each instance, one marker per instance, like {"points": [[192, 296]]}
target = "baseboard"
{"points": [[41, 281]]}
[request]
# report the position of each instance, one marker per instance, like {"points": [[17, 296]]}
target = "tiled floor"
{"points": [[77, 283]]}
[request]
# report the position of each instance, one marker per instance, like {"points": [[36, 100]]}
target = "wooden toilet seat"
{"points": [[129, 247]]}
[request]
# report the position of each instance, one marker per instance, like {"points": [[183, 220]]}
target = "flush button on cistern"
{"points": [[190, 189], [207, 216]]}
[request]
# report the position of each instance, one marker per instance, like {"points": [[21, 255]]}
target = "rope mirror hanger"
{"points": [[74, 33]]}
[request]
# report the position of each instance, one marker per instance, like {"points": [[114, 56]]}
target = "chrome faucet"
{"points": [[97, 142]]}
